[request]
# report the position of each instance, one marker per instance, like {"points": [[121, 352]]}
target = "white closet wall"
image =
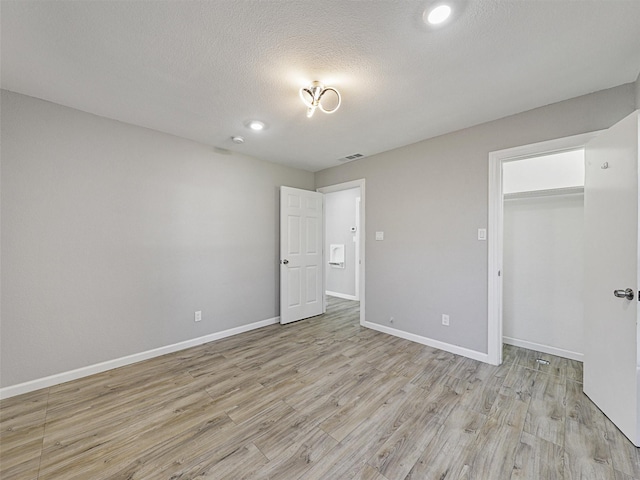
{"points": [[543, 273]]}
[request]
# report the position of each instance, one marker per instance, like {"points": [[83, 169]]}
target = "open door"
{"points": [[611, 367], [301, 258]]}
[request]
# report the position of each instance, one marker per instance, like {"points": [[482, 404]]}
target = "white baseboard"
{"points": [[37, 384], [447, 347], [341, 295], [559, 352]]}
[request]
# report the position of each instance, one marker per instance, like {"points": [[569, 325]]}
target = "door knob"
{"points": [[628, 294], [285, 261]]}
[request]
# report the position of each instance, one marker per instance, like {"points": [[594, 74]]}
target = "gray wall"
{"points": [[113, 235], [340, 214], [543, 271], [638, 92], [431, 197]]}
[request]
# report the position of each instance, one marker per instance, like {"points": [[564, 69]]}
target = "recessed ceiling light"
{"points": [[238, 139], [437, 15], [256, 125]]}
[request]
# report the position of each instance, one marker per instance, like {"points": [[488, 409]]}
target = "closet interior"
{"points": [[543, 205]]}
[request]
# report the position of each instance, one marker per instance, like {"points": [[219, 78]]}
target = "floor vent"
{"points": [[348, 158]]}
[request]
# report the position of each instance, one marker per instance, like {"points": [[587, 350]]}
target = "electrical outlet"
{"points": [[391, 320], [445, 320], [198, 316]]}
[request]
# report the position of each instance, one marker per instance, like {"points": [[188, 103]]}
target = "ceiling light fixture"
{"points": [[238, 139], [256, 125], [437, 15], [312, 95]]}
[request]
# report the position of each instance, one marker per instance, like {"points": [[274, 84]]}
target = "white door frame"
{"points": [[496, 222], [358, 237], [360, 273]]}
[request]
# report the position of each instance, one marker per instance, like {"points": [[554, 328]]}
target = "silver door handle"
{"points": [[628, 294], [285, 261]]}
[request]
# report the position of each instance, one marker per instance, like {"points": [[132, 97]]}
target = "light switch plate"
{"points": [[482, 234], [379, 236]]}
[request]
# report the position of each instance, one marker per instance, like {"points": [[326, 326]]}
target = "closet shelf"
{"points": [[545, 193]]}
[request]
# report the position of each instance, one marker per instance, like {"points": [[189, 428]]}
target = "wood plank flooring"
{"points": [[322, 398]]}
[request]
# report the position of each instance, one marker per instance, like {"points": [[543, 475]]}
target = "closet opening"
{"points": [[536, 200], [543, 223]]}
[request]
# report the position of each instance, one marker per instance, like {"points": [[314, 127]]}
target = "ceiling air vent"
{"points": [[348, 158]]}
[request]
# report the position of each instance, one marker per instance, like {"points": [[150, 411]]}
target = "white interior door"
{"points": [[301, 258], [611, 263]]}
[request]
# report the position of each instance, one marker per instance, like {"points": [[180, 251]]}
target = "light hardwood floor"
{"points": [[322, 398]]}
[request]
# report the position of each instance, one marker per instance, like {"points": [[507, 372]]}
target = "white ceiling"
{"points": [[201, 69]]}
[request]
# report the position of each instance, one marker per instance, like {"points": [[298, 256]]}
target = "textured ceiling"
{"points": [[202, 69]]}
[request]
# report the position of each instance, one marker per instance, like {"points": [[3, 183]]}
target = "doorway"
{"points": [[496, 226], [341, 238], [349, 242]]}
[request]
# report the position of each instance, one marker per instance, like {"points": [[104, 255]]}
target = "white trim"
{"points": [[495, 226], [338, 187], [543, 148], [37, 384], [465, 352], [341, 295], [559, 352], [357, 298], [361, 283], [494, 269], [325, 266]]}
